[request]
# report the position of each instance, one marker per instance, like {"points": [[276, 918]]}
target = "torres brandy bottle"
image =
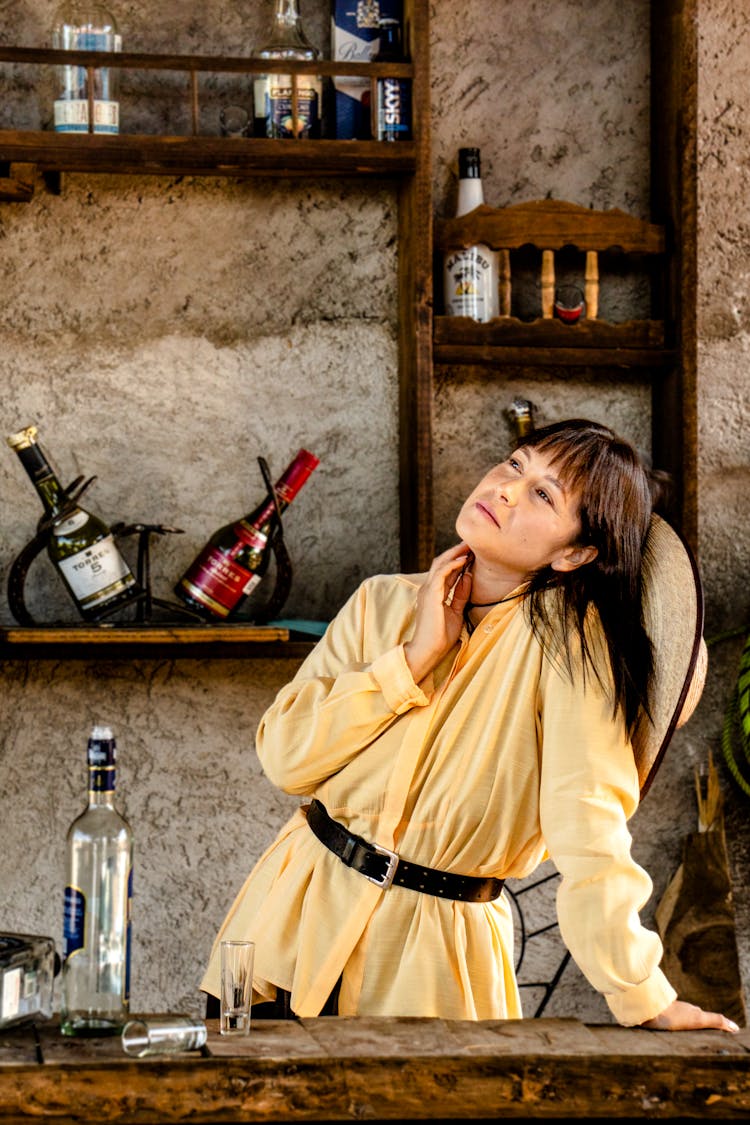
{"points": [[236, 556], [81, 546]]}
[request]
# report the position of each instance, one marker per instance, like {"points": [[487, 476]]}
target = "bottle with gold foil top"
{"points": [[520, 414], [283, 107], [81, 546]]}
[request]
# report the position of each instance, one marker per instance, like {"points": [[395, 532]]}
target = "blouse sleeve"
{"points": [[338, 701], [589, 790]]}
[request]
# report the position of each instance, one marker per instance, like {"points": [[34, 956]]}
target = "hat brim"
{"points": [[672, 596]]}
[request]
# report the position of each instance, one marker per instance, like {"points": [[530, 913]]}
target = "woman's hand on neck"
{"points": [[440, 610]]}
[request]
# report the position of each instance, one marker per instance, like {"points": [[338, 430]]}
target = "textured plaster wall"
{"points": [[165, 332]]}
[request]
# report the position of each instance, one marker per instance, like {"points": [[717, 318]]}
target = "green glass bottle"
{"points": [[81, 546]]}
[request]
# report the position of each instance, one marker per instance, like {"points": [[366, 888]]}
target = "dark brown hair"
{"points": [[615, 511]]}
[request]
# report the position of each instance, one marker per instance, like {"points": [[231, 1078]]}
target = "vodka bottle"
{"points": [[393, 119], [471, 275], [274, 114], [98, 891], [86, 25], [236, 557], [81, 546]]}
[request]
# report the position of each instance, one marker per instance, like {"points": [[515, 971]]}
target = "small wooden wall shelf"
{"points": [[149, 642], [194, 154], [550, 226]]}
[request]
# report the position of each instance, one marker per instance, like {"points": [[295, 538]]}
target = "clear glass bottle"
{"points": [[236, 557], [273, 93], [81, 546], [86, 25], [471, 275], [98, 891]]}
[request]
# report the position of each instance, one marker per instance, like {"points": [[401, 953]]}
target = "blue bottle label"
{"points": [[394, 110], [128, 937], [74, 918]]}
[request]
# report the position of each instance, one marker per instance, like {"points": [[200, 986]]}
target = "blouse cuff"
{"points": [[643, 1002], [393, 676]]}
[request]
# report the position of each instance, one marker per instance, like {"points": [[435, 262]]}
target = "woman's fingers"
{"points": [[681, 1016]]}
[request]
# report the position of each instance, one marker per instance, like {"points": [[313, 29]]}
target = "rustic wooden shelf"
{"points": [[546, 342], [197, 156], [194, 154], [139, 641]]}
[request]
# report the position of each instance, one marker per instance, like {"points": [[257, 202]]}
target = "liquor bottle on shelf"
{"points": [[86, 25], [393, 111], [471, 275], [273, 94], [28, 967], [81, 546], [95, 994], [521, 417], [236, 557]]}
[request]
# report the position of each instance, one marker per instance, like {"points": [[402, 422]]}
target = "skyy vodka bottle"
{"points": [[98, 891]]}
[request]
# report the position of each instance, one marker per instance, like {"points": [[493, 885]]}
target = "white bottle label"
{"points": [[10, 990], [73, 116], [97, 572], [471, 283]]}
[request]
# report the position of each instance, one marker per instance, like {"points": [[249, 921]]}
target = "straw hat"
{"points": [[673, 617]]}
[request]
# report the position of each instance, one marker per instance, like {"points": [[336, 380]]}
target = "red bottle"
{"points": [[234, 560]]}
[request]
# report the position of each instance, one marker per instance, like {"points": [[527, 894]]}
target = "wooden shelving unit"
{"points": [[25, 154], [661, 351]]}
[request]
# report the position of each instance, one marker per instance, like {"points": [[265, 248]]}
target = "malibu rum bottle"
{"points": [[471, 275]]}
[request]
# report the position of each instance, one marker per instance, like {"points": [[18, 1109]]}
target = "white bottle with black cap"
{"points": [[471, 274]]}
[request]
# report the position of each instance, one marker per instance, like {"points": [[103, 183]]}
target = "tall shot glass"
{"points": [[236, 987]]}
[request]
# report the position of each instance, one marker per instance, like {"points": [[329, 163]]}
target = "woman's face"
{"points": [[521, 517]]}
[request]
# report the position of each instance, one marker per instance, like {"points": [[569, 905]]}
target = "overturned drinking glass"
{"points": [[163, 1035]]}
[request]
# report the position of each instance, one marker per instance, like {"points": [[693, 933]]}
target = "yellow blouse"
{"points": [[490, 765]]}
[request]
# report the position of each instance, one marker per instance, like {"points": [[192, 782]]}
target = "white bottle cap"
{"points": [[101, 733]]}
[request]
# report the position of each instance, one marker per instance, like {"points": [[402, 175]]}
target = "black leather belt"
{"points": [[384, 867]]}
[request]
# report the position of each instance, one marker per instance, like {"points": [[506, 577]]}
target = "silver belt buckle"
{"points": [[385, 880]]}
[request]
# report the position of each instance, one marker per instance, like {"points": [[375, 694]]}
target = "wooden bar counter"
{"points": [[343, 1069]]}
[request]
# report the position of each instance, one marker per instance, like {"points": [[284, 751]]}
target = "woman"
{"points": [[454, 729]]}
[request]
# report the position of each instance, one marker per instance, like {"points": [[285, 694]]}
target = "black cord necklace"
{"points": [[484, 605]]}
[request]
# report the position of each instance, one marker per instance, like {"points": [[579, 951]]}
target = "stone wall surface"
{"points": [[165, 332]]}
